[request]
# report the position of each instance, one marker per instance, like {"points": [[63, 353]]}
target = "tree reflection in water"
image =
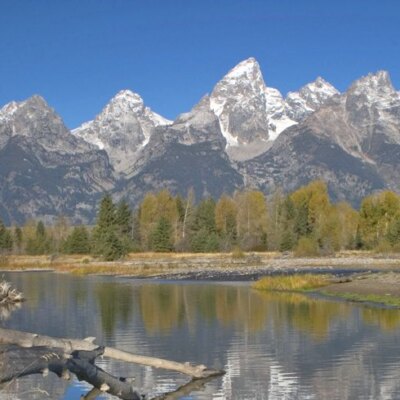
{"points": [[164, 307]]}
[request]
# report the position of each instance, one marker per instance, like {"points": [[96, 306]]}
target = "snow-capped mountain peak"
{"points": [[374, 86], [123, 128], [317, 92], [308, 99], [8, 110], [247, 69], [238, 101]]}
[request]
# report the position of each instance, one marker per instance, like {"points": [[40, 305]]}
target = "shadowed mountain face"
{"points": [[199, 166], [44, 170], [352, 142], [244, 132]]}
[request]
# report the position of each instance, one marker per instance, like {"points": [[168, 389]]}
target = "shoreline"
{"points": [[373, 278], [218, 266]]}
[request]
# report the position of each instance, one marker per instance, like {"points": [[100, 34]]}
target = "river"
{"points": [[272, 345]]}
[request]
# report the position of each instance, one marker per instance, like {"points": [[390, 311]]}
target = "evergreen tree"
{"points": [[18, 239], [105, 241], [6, 242], [78, 241], [203, 241], [205, 216], [112, 248], [40, 243], [123, 218], [124, 225], [107, 214], [162, 236]]}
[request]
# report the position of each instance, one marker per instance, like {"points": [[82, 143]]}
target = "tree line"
{"points": [[304, 221]]}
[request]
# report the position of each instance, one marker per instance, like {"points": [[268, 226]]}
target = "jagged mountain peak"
{"points": [[126, 96], [316, 92], [8, 110], [309, 98], [35, 101], [378, 83], [123, 128], [31, 117], [238, 101], [248, 68], [319, 88]]}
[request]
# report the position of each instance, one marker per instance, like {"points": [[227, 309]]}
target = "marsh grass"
{"points": [[385, 300], [290, 283]]}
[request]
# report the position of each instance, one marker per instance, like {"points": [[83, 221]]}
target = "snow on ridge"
{"points": [[218, 107], [245, 67]]}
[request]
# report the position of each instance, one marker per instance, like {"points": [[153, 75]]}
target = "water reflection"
{"points": [[272, 345], [115, 304]]}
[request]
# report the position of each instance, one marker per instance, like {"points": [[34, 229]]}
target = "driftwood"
{"points": [[8, 295], [23, 353], [25, 339], [16, 362]]}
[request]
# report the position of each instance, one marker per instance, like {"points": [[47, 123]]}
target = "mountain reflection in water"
{"points": [[272, 345]]}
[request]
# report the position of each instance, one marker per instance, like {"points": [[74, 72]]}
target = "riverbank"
{"points": [[211, 266], [382, 288], [369, 277]]}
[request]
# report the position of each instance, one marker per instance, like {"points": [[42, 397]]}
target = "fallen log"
{"points": [[26, 339], [16, 362]]}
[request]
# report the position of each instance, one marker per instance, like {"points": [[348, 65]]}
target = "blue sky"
{"points": [[77, 54]]}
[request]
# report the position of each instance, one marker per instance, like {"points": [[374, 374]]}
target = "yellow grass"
{"points": [[296, 282]]}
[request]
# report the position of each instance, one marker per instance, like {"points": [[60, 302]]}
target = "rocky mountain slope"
{"points": [[123, 129], [44, 170], [352, 142], [242, 133]]}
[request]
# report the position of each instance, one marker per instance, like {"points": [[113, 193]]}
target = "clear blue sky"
{"points": [[78, 53]]}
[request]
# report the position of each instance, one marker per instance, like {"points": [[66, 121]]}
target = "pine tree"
{"points": [[18, 239], [112, 249], [107, 215], [6, 242], [123, 218], [40, 243], [162, 236], [205, 216], [105, 241], [78, 241]]}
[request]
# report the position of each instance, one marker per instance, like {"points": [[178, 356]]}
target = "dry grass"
{"points": [[297, 282]]}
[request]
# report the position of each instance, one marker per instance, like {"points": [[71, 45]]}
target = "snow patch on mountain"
{"points": [[238, 100], [308, 99], [122, 129], [278, 120]]}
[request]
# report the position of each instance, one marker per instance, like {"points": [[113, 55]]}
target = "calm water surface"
{"points": [[273, 346]]}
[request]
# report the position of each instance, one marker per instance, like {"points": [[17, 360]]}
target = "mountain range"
{"points": [[243, 133]]}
